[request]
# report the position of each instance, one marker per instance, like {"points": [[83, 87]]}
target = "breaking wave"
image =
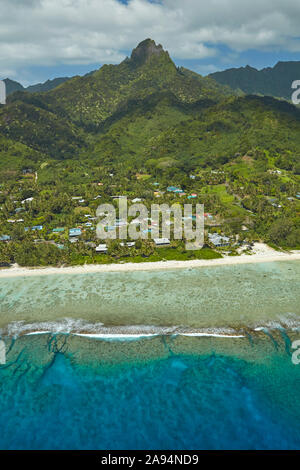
{"points": [[99, 330]]}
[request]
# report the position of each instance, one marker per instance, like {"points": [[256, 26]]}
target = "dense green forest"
{"points": [[134, 129]]}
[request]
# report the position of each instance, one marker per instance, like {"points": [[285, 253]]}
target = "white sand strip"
{"points": [[268, 255]]}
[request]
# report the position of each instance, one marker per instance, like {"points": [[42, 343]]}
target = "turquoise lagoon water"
{"points": [[170, 391], [213, 297], [177, 400]]}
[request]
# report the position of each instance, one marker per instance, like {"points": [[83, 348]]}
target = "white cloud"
{"points": [[51, 32]]}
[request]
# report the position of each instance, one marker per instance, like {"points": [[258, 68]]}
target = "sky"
{"points": [[41, 39]]}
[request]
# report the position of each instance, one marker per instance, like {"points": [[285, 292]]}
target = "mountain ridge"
{"points": [[270, 81], [146, 109], [12, 86]]}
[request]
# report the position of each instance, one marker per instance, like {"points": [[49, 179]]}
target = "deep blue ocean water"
{"points": [[179, 402]]}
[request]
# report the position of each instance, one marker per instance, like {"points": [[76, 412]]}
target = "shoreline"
{"points": [[264, 254]]}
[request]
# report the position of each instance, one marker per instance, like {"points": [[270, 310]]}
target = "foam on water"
{"points": [[215, 297]]}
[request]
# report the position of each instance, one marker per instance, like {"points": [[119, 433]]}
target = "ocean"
{"points": [[215, 372]]}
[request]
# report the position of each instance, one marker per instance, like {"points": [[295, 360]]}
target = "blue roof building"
{"points": [[74, 232], [4, 238], [174, 189]]}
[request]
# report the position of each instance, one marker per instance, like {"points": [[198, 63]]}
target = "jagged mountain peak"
{"points": [[145, 51], [90, 100]]}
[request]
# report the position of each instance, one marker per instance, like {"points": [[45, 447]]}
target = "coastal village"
{"points": [[54, 222]]}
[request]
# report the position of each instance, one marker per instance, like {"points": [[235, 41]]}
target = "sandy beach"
{"points": [[262, 253]]}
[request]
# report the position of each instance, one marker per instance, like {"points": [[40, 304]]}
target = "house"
{"points": [[129, 244], [37, 227], [4, 238], [174, 189], [102, 248], [29, 199], [161, 242], [218, 240], [58, 230], [137, 199], [74, 232]]}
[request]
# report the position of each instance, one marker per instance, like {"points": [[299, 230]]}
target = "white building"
{"points": [[218, 240], [2, 92], [161, 241], [102, 248], [129, 244]]}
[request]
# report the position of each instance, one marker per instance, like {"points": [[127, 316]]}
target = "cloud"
{"points": [[51, 32]]}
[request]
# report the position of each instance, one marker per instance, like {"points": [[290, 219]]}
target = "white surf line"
{"points": [[96, 335], [38, 333], [124, 336], [215, 335], [116, 335]]}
